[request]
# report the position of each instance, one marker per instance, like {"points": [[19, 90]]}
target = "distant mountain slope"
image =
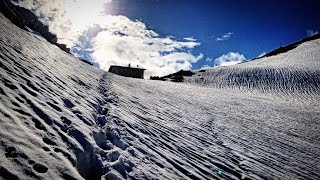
{"points": [[63, 119], [291, 69], [294, 71], [290, 46]]}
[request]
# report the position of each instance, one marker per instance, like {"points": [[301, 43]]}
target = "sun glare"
{"points": [[83, 12]]}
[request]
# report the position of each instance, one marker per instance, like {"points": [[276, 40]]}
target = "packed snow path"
{"points": [[62, 119]]}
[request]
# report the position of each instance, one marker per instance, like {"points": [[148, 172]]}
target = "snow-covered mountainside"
{"points": [[296, 71], [63, 119]]}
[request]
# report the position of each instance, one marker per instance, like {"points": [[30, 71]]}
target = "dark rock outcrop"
{"points": [[175, 77], [86, 61]]}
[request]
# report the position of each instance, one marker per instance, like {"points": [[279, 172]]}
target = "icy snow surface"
{"points": [[63, 119]]}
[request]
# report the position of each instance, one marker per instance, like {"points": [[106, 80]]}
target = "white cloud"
{"points": [[113, 40], [208, 59], [224, 37], [190, 39], [160, 56], [311, 32], [205, 66], [230, 58], [54, 13], [262, 54]]}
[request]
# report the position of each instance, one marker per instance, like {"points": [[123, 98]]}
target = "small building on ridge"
{"points": [[127, 71]]}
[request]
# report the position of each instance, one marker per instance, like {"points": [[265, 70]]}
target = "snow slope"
{"points": [[294, 72], [62, 119]]}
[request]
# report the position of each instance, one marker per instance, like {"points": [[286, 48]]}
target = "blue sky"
{"points": [[165, 36], [256, 26]]}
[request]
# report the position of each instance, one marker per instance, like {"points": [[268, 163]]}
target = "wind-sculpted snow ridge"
{"points": [[63, 119], [294, 72], [284, 81]]}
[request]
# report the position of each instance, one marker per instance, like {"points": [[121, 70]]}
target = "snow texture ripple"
{"points": [[63, 119]]}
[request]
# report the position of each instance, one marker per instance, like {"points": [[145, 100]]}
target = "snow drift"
{"points": [[63, 119]]}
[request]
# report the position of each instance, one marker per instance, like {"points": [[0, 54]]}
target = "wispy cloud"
{"points": [[208, 59], [311, 32], [205, 66], [230, 58], [224, 37], [262, 54], [190, 39], [113, 40]]}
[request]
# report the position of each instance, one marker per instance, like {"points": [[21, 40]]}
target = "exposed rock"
{"points": [[175, 77]]}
